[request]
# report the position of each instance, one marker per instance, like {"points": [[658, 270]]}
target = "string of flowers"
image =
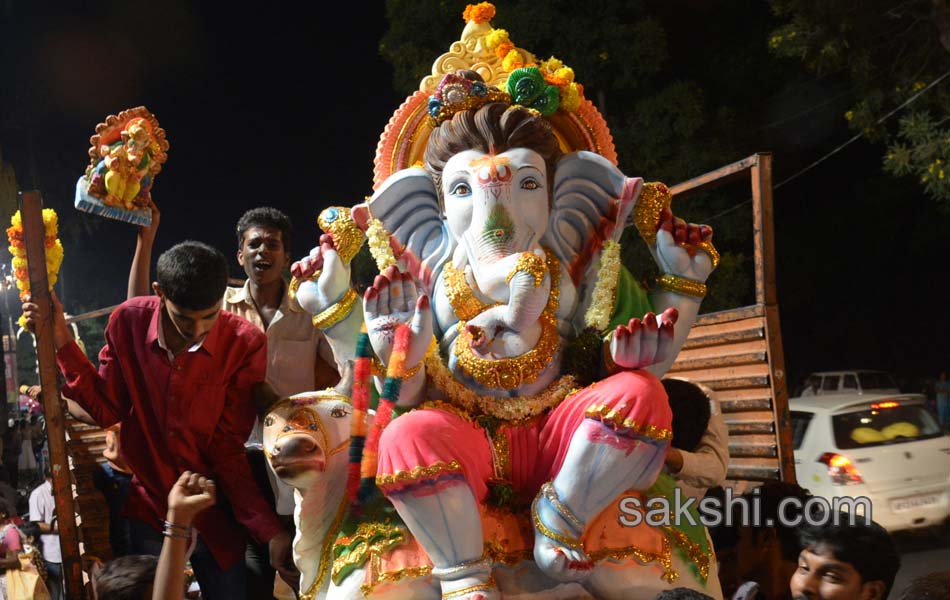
{"points": [[362, 373], [552, 70], [379, 245], [384, 410], [602, 301], [54, 252]]}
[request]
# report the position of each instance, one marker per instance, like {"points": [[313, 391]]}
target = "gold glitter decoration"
{"points": [[294, 286], [391, 576], [550, 533], [708, 248], [693, 550], [664, 557], [498, 554], [507, 408], [460, 293], [347, 237], [681, 285], [470, 102], [336, 313], [480, 587], [532, 264], [654, 197], [609, 416], [379, 369], [326, 553], [509, 373], [548, 491], [501, 453], [369, 538], [418, 473]]}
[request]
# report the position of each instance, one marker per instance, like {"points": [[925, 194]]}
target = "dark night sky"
{"points": [[285, 106]]}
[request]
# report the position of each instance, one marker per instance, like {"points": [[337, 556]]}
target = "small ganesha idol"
{"points": [[127, 152]]}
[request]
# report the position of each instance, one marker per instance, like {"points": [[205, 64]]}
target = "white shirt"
{"points": [[293, 344], [43, 508]]}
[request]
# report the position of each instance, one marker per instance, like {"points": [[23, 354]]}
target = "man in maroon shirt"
{"points": [[177, 372]]}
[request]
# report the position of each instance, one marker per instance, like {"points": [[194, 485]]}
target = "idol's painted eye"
{"points": [[338, 412], [530, 183], [268, 420], [461, 189]]}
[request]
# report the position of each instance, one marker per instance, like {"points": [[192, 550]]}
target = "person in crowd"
{"points": [[27, 467], [299, 358], [10, 544], [31, 536], [178, 373], [190, 495], [113, 478], [699, 451], [841, 561], [942, 389], [43, 512], [933, 586], [126, 578], [756, 561]]}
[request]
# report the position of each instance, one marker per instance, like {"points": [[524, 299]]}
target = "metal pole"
{"points": [[34, 233]]}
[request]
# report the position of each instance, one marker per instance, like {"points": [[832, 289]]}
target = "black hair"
{"points": [[126, 577], [769, 496], [865, 545], [265, 216], [691, 412], [32, 529], [933, 586], [681, 593], [193, 275]]}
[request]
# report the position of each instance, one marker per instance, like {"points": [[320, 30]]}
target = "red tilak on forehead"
{"points": [[492, 162]]}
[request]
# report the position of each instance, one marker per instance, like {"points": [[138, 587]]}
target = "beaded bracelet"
{"points": [[180, 532]]}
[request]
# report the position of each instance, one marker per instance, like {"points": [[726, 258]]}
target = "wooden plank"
{"points": [[753, 446], [727, 359], [34, 234], [780, 412], [726, 373], [756, 471], [742, 382], [742, 426], [715, 178], [743, 405], [753, 346], [727, 327], [733, 314]]}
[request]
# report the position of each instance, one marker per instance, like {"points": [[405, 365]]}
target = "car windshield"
{"points": [[876, 381], [885, 422]]}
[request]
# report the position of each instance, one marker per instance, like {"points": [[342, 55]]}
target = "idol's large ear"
{"points": [[591, 202], [407, 205]]}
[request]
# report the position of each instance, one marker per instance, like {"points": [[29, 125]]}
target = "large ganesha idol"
{"points": [[495, 224]]}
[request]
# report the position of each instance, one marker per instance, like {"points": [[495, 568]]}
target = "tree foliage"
{"points": [[891, 51]]}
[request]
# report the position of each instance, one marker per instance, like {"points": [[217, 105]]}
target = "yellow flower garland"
{"points": [[602, 301], [379, 245], [54, 252]]}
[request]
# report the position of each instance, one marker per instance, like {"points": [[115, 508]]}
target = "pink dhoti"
{"points": [[442, 444]]}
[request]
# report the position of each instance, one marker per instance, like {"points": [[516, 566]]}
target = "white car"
{"points": [[886, 447]]}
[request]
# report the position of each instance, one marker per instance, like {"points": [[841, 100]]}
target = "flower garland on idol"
{"points": [[54, 253]]}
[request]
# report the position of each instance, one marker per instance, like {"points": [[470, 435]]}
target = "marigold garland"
{"points": [[602, 301], [479, 13], [362, 373], [395, 373], [54, 252]]}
